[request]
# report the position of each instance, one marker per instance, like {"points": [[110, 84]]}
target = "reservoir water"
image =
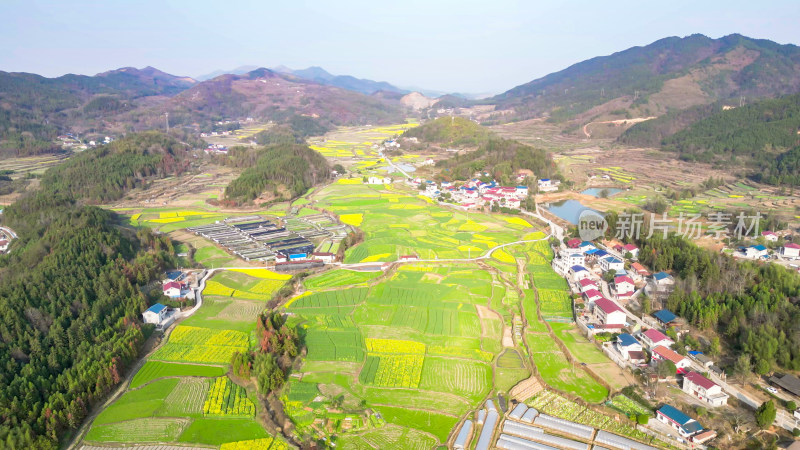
{"points": [[569, 210], [595, 191]]}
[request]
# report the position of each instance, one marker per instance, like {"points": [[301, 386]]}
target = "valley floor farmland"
{"points": [[425, 343], [182, 393]]}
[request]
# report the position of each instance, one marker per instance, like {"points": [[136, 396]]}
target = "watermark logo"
{"points": [[591, 225]]}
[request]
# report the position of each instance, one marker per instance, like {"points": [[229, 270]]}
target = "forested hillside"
{"points": [[70, 308], [754, 307], [281, 171], [294, 131], [670, 73], [108, 172], [501, 158], [450, 131], [34, 109], [763, 135]]}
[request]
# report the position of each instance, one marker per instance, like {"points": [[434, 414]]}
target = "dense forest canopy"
{"points": [[501, 158], [295, 130], [70, 305], [763, 135], [125, 164], [450, 131], [754, 307], [284, 168]]}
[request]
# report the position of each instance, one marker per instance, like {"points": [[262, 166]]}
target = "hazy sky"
{"points": [[466, 46]]}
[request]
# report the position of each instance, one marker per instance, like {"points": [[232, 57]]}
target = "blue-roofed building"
{"points": [[682, 423], [155, 314], [591, 252], [585, 246], [756, 251], [626, 344], [600, 254], [610, 263], [665, 316], [578, 273]]}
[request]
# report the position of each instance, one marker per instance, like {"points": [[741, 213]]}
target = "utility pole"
{"points": [[741, 100], [166, 117]]}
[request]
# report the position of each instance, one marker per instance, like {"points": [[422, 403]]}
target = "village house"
{"points": [[611, 263], [665, 317], [566, 259], [574, 243], [608, 313], [173, 289], [788, 382], [627, 248], [755, 251], [683, 424], [769, 236], [626, 344], [660, 284], [638, 271], [790, 250], [586, 284], [411, 257], [548, 185], [653, 338], [325, 257], [3, 245], [662, 353], [587, 246], [704, 389], [591, 296], [624, 286], [578, 273], [155, 314]]}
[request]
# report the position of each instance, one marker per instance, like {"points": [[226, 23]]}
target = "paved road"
{"points": [[380, 153]]}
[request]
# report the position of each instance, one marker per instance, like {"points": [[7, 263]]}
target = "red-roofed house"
{"points": [[574, 243], [587, 284], [4, 245], [592, 295], [608, 312], [790, 250], [701, 387], [653, 338], [172, 289], [662, 353], [623, 283], [409, 258], [639, 271], [770, 236]]}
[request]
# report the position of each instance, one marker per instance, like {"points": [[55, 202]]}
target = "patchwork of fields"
{"points": [[181, 394]]}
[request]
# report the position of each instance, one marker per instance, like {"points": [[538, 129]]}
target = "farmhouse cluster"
{"points": [[474, 193]]}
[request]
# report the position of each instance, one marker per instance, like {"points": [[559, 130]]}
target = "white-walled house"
{"points": [[701, 387], [790, 250], [623, 285], [653, 338], [608, 313], [578, 273], [611, 263], [587, 284], [769, 236], [627, 343], [662, 353], [172, 289], [155, 314]]}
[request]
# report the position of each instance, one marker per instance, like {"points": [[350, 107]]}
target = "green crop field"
{"points": [[181, 395], [153, 370]]}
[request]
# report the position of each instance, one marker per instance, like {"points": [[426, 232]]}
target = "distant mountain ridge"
{"points": [[322, 76], [669, 73], [34, 109]]}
